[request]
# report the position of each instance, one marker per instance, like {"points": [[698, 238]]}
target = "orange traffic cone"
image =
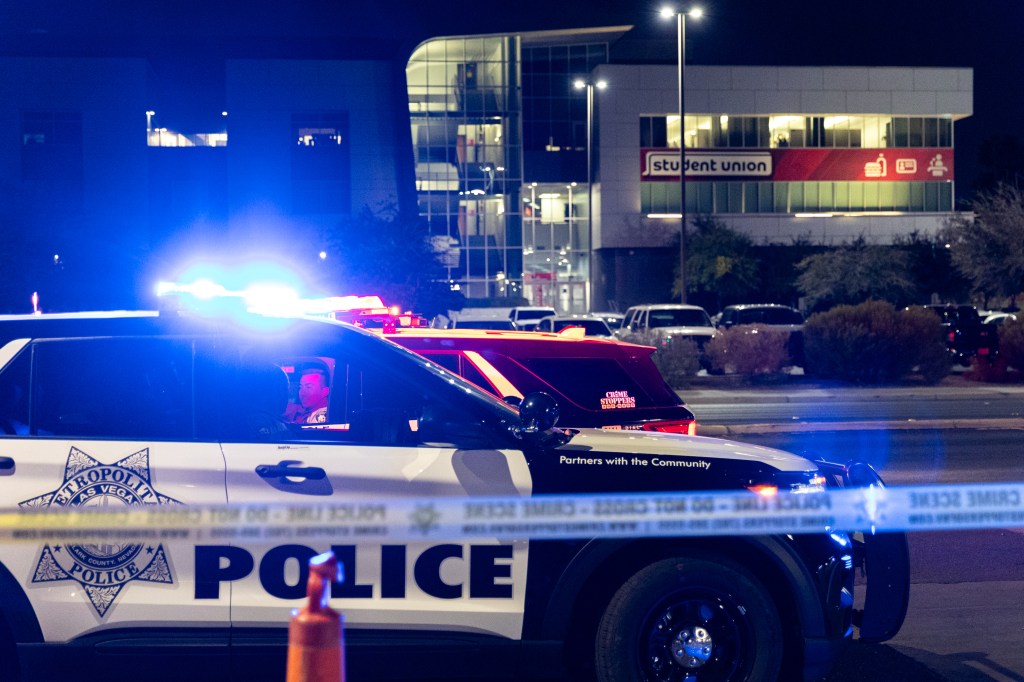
{"points": [[316, 651]]}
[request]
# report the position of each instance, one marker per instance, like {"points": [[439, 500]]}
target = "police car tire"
{"points": [[666, 601]]}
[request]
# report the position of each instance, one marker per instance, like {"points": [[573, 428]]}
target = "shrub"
{"points": [[932, 360], [1011, 343], [677, 359], [988, 370], [874, 343], [749, 349]]}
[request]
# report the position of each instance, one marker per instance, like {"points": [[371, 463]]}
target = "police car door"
{"points": [[104, 423], [393, 428]]}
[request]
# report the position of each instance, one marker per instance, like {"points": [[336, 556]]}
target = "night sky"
{"points": [[984, 35]]}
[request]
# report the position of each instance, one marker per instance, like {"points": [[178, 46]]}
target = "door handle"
{"points": [[6, 466], [283, 470], [282, 476]]}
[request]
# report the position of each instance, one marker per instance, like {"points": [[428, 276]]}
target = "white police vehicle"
{"points": [[169, 409]]}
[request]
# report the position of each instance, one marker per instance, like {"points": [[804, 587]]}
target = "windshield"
{"points": [[678, 317]]}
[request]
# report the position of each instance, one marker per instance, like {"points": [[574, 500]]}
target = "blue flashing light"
{"points": [[841, 539]]}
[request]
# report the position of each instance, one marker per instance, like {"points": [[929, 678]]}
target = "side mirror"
{"points": [[538, 412], [513, 400]]}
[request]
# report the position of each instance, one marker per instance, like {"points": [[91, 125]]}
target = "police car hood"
{"points": [[590, 442]]}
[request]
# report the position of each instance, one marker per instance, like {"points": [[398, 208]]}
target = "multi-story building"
{"points": [[819, 154], [825, 155], [500, 140]]}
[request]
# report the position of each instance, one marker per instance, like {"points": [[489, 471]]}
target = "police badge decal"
{"points": [[103, 569]]}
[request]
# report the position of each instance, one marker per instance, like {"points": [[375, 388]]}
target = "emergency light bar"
{"points": [[282, 301]]}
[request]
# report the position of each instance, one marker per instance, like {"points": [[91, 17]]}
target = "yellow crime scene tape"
{"points": [[871, 509]]}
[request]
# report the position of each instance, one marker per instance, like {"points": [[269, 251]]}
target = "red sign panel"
{"points": [[927, 164]]}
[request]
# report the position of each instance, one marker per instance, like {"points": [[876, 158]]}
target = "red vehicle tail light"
{"points": [[687, 426]]}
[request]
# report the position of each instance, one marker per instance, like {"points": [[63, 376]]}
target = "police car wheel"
{"points": [[689, 619]]}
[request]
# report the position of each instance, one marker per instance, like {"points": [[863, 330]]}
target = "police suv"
{"points": [[169, 409]]}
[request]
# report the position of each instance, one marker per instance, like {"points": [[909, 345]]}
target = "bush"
{"points": [[1011, 343], [676, 359], [931, 360], [988, 370], [749, 349], [873, 343]]}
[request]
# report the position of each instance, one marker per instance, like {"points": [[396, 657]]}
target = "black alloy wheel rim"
{"points": [[713, 622]]}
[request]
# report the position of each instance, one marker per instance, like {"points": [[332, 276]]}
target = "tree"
{"points": [[778, 275], [720, 262], [854, 273], [988, 248], [932, 269], [387, 253]]}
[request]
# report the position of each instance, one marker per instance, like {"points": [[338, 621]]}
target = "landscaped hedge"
{"points": [[749, 349], [1011, 343], [874, 343]]}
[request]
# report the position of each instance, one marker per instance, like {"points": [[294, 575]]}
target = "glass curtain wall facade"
{"points": [[479, 106], [555, 198], [466, 132], [793, 132]]}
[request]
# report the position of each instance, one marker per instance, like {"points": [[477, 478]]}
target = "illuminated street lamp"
{"points": [[579, 84], [680, 15]]}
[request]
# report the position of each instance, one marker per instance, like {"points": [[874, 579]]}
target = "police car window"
{"points": [[112, 388], [457, 364], [368, 400], [14, 392]]}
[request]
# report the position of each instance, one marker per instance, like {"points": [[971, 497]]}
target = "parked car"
{"points": [[660, 323], [599, 383], [527, 317], [590, 324], [498, 323], [999, 319], [614, 320], [967, 336], [770, 315]]}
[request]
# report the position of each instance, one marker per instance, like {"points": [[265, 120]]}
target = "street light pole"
{"points": [[579, 84], [681, 47]]}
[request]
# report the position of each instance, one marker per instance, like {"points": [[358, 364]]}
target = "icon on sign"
{"points": [[936, 167], [877, 168], [906, 166]]}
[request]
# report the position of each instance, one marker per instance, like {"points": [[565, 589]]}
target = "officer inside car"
{"points": [[314, 388]]}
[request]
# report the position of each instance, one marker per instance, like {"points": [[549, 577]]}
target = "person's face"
{"points": [[312, 392]]}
